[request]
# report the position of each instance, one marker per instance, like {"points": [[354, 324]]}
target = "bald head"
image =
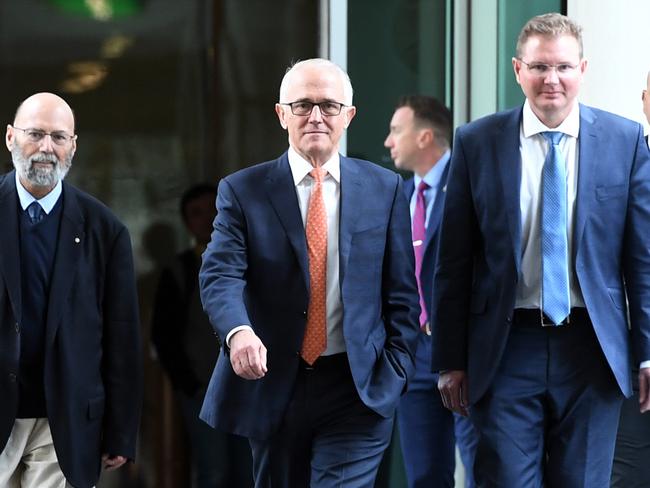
{"points": [[315, 64], [42, 142], [47, 103]]}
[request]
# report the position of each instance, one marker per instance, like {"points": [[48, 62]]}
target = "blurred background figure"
{"points": [[188, 350], [419, 140]]}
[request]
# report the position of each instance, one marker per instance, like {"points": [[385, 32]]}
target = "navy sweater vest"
{"points": [[38, 244]]}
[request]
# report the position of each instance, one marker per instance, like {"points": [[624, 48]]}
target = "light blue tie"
{"points": [[555, 254]]}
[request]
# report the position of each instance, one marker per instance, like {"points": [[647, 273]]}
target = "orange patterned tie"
{"points": [[315, 340]]}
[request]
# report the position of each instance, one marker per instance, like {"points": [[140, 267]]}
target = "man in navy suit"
{"points": [[544, 236], [631, 468], [419, 137], [315, 416], [70, 367]]}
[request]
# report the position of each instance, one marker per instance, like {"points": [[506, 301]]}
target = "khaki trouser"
{"points": [[28, 459]]}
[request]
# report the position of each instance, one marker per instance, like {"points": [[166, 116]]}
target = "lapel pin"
{"points": [[77, 240]]}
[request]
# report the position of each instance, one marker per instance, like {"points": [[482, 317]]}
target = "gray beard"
{"points": [[46, 177]]}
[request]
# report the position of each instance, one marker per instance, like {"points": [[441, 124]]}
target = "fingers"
{"points": [[453, 391], [248, 355], [644, 390], [112, 462]]}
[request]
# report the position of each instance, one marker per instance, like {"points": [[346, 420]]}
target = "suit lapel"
{"points": [[508, 160], [436, 209], [281, 192], [9, 242], [352, 203], [68, 256], [589, 143]]}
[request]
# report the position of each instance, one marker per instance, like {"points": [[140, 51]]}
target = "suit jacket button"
{"points": [[12, 377], [17, 328]]}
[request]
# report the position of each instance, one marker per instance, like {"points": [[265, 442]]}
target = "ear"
{"points": [[280, 110], [583, 66], [350, 112], [516, 66], [10, 137], [425, 137]]}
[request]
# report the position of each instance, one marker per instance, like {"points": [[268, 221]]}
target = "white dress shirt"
{"points": [[47, 202], [300, 169], [533, 148]]}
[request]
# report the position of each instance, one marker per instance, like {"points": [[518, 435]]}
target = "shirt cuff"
{"points": [[645, 364], [248, 327]]}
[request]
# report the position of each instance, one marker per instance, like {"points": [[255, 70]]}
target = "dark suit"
{"points": [[255, 271], [92, 350], [479, 261], [631, 468], [426, 427]]}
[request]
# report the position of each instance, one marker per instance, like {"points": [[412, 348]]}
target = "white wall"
{"points": [[617, 46]]}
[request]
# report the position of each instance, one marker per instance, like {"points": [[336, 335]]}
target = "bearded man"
{"points": [[70, 372]]}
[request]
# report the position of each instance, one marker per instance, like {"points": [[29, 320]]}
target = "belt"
{"points": [[326, 362], [534, 317]]}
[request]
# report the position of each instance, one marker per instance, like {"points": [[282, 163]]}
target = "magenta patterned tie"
{"points": [[419, 237]]}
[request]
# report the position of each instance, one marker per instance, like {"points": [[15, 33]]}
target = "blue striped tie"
{"points": [[555, 255]]}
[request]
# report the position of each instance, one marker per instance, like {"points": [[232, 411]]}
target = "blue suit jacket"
{"points": [[432, 236], [93, 373], [255, 271], [480, 248]]}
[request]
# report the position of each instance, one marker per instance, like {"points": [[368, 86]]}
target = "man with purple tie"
{"points": [[420, 132]]}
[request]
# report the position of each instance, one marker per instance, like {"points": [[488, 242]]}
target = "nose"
{"points": [[46, 144], [552, 77], [316, 115], [388, 142]]}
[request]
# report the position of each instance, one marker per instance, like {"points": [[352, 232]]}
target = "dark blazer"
{"points": [[92, 359], [480, 248], [255, 271], [432, 236]]}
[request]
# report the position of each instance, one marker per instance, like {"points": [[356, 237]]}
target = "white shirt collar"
{"points": [[47, 202], [300, 167], [532, 125]]}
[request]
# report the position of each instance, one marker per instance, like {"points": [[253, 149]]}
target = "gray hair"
{"points": [[317, 62], [549, 25]]}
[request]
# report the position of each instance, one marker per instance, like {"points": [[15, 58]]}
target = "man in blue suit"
{"points": [[70, 367], [308, 281], [419, 137], [544, 235]]}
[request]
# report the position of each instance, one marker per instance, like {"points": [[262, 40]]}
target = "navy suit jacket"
{"points": [[92, 359], [480, 248], [432, 236], [255, 271]]}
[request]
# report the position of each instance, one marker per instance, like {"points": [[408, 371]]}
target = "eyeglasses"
{"points": [[304, 107], [59, 138], [542, 69]]}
